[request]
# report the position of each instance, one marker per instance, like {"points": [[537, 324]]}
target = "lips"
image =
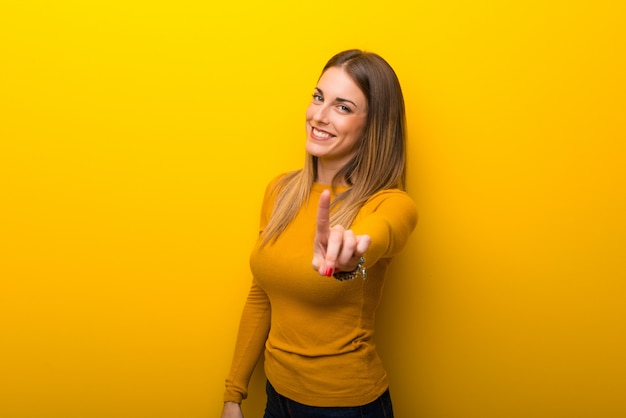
{"points": [[318, 134]]}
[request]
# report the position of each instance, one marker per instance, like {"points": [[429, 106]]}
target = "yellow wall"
{"points": [[136, 139]]}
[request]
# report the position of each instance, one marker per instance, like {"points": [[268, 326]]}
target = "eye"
{"points": [[317, 97], [344, 108]]}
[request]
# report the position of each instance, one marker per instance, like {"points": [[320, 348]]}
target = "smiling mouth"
{"points": [[320, 134]]}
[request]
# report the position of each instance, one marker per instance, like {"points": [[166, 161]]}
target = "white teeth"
{"points": [[321, 134]]}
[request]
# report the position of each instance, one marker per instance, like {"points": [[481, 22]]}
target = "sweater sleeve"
{"points": [[389, 218], [253, 330]]}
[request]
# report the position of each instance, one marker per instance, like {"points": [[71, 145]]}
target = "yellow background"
{"points": [[136, 139]]}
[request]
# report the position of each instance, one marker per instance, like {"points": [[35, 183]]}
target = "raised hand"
{"points": [[335, 249]]}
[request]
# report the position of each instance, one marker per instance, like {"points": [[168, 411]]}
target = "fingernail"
{"points": [[329, 272]]}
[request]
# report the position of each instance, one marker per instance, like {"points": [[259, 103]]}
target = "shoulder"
{"points": [[278, 182], [395, 197], [392, 203]]}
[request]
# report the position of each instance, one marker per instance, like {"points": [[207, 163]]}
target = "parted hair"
{"points": [[380, 160]]}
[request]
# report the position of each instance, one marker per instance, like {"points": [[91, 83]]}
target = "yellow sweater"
{"points": [[316, 331]]}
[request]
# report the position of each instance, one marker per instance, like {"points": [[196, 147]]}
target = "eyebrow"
{"points": [[338, 99]]}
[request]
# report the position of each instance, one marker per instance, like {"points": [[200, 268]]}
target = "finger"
{"points": [[348, 247], [321, 233], [335, 241], [318, 261], [315, 264], [362, 244], [323, 216]]}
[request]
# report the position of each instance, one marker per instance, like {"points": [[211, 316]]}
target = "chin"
{"points": [[312, 149]]}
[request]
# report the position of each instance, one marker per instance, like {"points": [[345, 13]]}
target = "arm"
{"points": [[253, 330], [389, 218]]}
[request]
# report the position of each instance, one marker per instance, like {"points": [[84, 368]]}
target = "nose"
{"points": [[321, 114]]}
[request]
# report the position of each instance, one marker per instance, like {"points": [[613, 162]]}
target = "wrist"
{"points": [[350, 275]]}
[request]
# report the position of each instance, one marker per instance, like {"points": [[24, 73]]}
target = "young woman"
{"points": [[347, 212]]}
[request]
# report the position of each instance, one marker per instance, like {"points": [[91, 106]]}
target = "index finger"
{"points": [[323, 214]]}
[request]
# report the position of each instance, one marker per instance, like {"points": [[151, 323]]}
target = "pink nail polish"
{"points": [[329, 272]]}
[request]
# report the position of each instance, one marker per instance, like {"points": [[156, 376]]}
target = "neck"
{"points": [[326, 171]]}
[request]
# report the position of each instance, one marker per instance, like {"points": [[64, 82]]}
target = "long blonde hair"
{"points": [[380, 161]]}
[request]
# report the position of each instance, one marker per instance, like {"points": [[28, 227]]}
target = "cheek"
{"points": [[356, 128], [309, 113]]}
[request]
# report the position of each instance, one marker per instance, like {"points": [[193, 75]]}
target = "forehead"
{"points": [[335, 82]]}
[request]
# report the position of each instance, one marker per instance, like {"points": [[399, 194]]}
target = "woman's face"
{"points": [[336, 118]]}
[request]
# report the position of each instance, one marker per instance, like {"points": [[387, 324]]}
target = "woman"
{"points": [[347, 209]]}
